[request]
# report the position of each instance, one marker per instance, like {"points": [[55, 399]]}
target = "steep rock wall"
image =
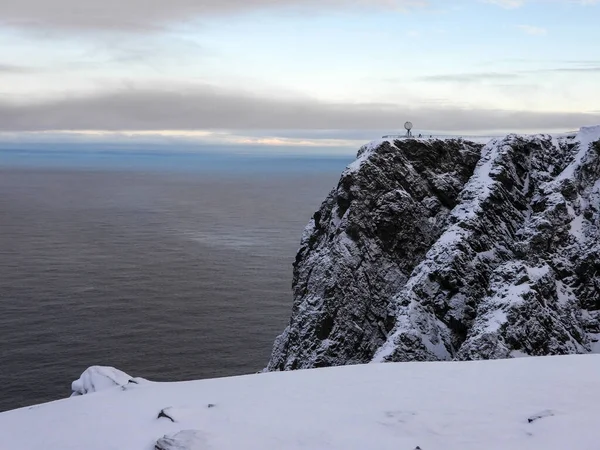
{"points": [[438, 250]]}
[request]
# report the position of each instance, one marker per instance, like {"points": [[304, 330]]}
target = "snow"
{"points": [[479, 185], [365, 153], [563, 293], [98, 378], [535, 273], [495, 320], [413, 320], [549, 403], [585, 137], [576, 228], [184, 440]]}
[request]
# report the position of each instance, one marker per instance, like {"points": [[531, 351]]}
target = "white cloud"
{"points": [[532, 30], [508, 4], [513, 4]]}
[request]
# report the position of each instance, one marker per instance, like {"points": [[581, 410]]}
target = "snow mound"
{"points": [[184, 440], [99, 378], [547, 403]]}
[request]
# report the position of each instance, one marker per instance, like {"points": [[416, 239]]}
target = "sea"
{"points": [[169, 266]]}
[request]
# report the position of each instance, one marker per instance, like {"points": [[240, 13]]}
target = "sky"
{"points": [[294, 73]]}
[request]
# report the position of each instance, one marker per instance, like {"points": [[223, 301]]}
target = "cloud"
{"points": [[508, 4], [14, 69], [208, 108], [575, 69], [136, 15], [513, 4], [468, 77], [532, 30], [132, 15], [475, 77], [148, 142]]}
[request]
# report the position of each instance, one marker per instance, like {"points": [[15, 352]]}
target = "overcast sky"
{"points": [[296, 72]]}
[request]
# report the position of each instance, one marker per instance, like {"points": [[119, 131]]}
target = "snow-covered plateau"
{"points": [[544, 403]]}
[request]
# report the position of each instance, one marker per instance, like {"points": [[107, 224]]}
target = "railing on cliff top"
{"points": [[438, 136], [464, 136]]}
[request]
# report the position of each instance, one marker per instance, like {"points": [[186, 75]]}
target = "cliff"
{"points": [[450, 250]]}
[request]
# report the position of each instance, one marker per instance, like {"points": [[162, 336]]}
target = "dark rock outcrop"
{"points": [[439, 250]]}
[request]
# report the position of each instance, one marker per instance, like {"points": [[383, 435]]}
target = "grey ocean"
{"points": [[169, 267]]}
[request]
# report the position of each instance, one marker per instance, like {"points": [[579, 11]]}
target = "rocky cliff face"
{"points": [[440, 250]]}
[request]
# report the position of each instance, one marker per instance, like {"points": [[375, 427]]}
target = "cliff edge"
{"points": [[451, 250]]}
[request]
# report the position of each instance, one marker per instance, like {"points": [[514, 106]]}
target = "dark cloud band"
{"points": [[212, 109], [132, 15]]}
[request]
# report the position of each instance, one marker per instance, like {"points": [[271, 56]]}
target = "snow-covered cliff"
{"points": [[447, 249]]}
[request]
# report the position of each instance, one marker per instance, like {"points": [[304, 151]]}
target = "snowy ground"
{"points": [[550, 403]]}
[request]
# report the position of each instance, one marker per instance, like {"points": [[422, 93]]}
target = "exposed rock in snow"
{"points": [[184, 440], [540, 415], [179, 414], [438, 250], [98, 378]]}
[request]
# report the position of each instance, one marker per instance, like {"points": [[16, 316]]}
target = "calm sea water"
{"points": [[169, 267]]}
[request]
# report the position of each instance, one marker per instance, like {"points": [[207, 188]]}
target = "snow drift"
{"points": [[98, 378], [549, 403]]}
